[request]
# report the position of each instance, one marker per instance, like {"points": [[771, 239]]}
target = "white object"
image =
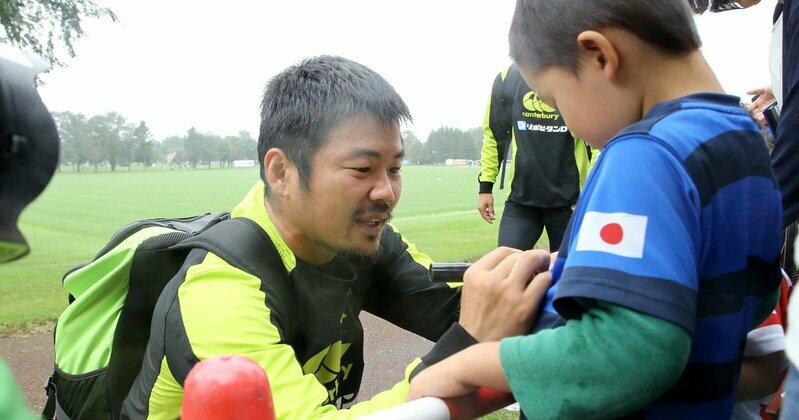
{"points": [[427, 408], [622, 234]]}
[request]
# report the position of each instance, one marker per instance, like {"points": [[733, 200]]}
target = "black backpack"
{"points": [[101, 337]]}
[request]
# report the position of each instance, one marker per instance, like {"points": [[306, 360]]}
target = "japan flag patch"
{"points": [[622, 234]]}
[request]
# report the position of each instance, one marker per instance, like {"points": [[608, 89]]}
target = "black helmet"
{"points": [[28, 145]]}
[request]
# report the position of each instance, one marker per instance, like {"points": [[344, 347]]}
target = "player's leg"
{"points": [[556, 220], [520, 226]]}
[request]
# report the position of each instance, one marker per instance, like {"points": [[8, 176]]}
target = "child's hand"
{"points": [[461, 374], [439, 380], [501, 292]]}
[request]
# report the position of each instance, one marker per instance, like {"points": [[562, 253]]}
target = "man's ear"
{"points": [[277, 171], [599, 53]]}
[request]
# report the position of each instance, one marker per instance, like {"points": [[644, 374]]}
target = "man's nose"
{"points": [[383, 190]]}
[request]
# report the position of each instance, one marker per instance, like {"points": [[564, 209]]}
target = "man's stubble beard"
{"points": [[358, 254]]}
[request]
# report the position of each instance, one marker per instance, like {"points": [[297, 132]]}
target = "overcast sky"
{"points": [[178, 64]]}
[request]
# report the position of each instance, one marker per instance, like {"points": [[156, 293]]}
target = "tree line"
{"points": [[442, 144], [50, 29], [111, 140]]}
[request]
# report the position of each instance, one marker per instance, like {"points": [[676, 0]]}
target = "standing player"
{"points": [[548, 168]]}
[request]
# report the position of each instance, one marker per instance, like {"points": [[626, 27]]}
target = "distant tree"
{"points": [[441, 145], [142, 145], [199, 147], [73, 129], [244, 147], [106, 133], [409, 136], [224, 151], [414, 148], [170, 144], [96, 145], [192, 147], [475, 139], [48, 27], [125, 148], [452, 143], [213, 145]]}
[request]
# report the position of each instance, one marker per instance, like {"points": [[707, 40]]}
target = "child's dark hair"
{"points": [[544, 32]]}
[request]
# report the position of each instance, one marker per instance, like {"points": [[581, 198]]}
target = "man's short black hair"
{"points": [[304, 102]]}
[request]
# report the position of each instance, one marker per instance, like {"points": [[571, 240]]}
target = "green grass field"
{"points": [[79, 212]]}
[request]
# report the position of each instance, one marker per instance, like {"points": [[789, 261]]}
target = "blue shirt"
{"points": [[679, 219]]}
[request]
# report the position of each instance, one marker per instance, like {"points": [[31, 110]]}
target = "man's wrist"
{"points": [[486, 187], [452, 341]]}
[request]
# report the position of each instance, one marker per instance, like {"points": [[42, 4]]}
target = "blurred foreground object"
{"points": [[28, 145], [227, 387]]}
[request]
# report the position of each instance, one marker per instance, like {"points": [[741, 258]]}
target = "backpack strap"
{"points": [[508, 89], [52, 409], [244, 245]]}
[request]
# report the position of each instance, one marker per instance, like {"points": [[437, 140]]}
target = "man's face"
{"points": [[354, 185]]}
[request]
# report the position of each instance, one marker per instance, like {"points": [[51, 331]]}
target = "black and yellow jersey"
{"points": [[305, 333], [549, 165]]}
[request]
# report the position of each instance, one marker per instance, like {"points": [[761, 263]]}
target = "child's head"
{"points": [[544, 32], [559, 43]]}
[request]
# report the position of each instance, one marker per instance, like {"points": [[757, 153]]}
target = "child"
{"points": [[671, 255]]}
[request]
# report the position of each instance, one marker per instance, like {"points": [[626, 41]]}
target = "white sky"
{"points": [[178, 64]]}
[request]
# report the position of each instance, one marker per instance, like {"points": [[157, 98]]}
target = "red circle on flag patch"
{"points": [[612, 233]]}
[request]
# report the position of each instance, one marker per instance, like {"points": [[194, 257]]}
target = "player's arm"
{"points": [[403, 294], [400, 290], [587, 366], [495, 121]]}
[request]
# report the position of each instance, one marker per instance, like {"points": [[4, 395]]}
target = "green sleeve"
{"points": [[608, 363]]}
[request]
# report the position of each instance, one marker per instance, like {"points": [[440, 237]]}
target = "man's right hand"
{"points": [[485, 205], [502, 291]]}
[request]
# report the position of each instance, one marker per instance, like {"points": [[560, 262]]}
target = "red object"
{"points": [[482, 402], [227, 387]]}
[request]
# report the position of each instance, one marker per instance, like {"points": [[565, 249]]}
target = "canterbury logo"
{"points": [[533, 103]]}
